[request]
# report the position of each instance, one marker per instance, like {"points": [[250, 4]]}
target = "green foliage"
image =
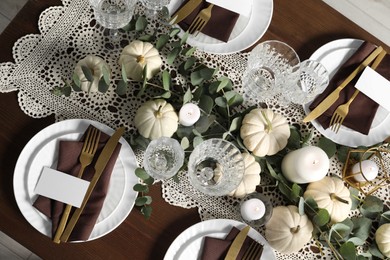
{"points": [[143, 201]]}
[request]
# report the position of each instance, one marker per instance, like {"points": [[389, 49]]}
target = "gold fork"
{"points": [[87, 153], [253, 252], [200, 20], [342, 111]]}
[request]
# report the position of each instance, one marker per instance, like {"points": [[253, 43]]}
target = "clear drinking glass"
{"points": [[113, 14], [163, 158], [154, 6], [272, 67], [314, 78], [215, 167]]}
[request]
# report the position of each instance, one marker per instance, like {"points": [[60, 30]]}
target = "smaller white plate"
{"points": [[332, 55], [246, 31], [188, 244], [41, 151]]}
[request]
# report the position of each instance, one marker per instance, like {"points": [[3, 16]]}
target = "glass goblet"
{"points": [[154, 6], [113, 14], [163, 158], [272, 66], [215, 167], [314, 78]]}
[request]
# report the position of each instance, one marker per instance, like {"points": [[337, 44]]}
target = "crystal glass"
{"points": [[253, 205], [215, 167], [113, 14], [163, 158], [272, 67], [154, 6], [314, 78]]}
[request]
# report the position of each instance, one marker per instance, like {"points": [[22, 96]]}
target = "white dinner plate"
{"points": [[332, 55], [41, 151], [246, 31], [188, 244]]}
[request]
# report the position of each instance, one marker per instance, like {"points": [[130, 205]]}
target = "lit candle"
{"points": [[305, 165], [252, 209], [369, 170], [189, 114]]}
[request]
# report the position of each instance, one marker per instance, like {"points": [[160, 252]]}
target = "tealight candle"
{"points": [[189, 114], [305, 165], [252, 209], [369, 169]]}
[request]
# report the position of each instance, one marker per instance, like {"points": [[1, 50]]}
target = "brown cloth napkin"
{"points": [[68, 162], [216, 249], [362, 110], [220, 25]]}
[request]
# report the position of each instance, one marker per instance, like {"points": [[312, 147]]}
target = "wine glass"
{"points": [[113, 14], [215, 167], [154, 6], [272, 67], [163, 158]]}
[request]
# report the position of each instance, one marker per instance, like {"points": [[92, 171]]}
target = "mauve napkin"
{"points": [[220, 25], [68, 162], [362, 110], [216, 249]]}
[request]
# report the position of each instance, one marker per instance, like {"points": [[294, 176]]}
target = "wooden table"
{"points": [[305, 25]]}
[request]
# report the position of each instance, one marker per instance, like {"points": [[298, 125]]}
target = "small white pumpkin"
{"points": [[382, 238], [95, 64], [136, 56], [287, 231], [331, 194], [251, 177], [264, 132], [156, 118]]}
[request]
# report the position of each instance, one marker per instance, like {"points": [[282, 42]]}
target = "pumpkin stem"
{"points": [[269, 124], [158, 112], [295, 229], [141, 59], [335, 197]]}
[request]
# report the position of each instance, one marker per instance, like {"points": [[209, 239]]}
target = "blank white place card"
{"points": [[61, 187], [375, 86]]}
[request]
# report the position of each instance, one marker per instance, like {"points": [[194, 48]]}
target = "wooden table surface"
{"points": [[305, 25]]}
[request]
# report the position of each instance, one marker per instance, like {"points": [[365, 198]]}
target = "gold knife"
{"points": [[235, 247], [184, 11], [101, 163], [329, 100]]}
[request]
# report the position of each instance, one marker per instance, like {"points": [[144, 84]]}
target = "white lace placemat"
{"points": [[67, 34]]}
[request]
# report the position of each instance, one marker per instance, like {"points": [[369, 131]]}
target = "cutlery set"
{"points": [[342, 110], [88, 151], [253, 252]]}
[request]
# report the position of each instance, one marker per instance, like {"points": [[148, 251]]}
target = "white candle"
{"points": [[369, 170], [189, 114], [252, 209], [305, 165]]}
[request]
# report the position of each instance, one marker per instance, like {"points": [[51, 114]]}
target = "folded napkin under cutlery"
{"points": [[362, 111], [220, 25], [68, 162], [216, 248]]}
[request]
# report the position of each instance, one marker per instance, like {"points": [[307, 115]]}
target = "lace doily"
{"points": [[67, 34]]}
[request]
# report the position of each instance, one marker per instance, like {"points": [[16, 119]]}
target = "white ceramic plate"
{"points": [[189, 243], [41, 151], [246, 32], [332, 55]]}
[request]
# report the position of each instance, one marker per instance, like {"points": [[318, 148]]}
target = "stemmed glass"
{"points": [[154, 6], [215, 167], [113, 14]]}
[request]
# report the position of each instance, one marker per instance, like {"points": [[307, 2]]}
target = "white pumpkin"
{"points": [[287, 231], [331, 194], [264, 132], [382, 238], [251, 177], [136, 56], [95, 64], [156, 118]]}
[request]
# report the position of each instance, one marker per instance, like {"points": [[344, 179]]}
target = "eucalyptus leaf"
{"points": [[141, 24], [103, 86], [342, 153], [233, 98], [162, 41], [57, 91], [354, 197], [328, 146], [374, 250], [174, 31], [123, 73], [207, 73], [149, 181], [184, 38], [183, 131], [339, 231], [372, 206], [140, 201], [294, 141], [141, 188], [166, 80], [384, 218], [235, 124], [348, 251], [321, 218], [166, 95], [187, 96], [197, 140], [196, 78], [173, 54], [146, 211], [141, 173], [121, 88], [204, 123], [306, 139], [75, 87], [311, 206], [224, 83], [296, 191], [87, 73], [301, 206], [106, 75], [185, 143], [189, 63], [188, 51], [146, 38], [206, 103], [221, 102]]}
